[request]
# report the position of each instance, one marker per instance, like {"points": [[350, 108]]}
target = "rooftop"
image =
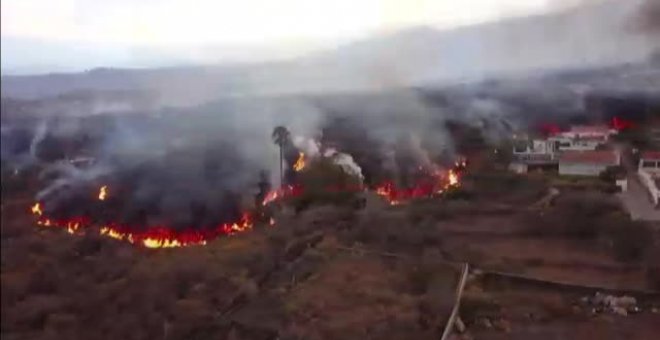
{"points": [[651, 155], [600, 157]]}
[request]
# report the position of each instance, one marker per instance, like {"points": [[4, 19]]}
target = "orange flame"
{"points": [[443, 180], [271, 197], [161, 243], [153, 237], [277, 194], [36, 209], [163, 237], [300, 163], [72, 227], [109, 232], [103, 193], [45, 222], [453, 178], [388, 191]]}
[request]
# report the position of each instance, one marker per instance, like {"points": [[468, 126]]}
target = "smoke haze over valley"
{"points": [[592, 35]]}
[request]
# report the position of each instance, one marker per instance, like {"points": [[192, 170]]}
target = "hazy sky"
{"points": [[51, 35]]}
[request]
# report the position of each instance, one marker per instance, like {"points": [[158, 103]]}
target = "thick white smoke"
{"points": [[345, 161], [312, 148]]}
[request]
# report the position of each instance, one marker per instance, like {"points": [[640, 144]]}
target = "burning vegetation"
{"points": [[435, 183], [103, 193], [299, 165], [106, 215], [430, 184], [150, 237]]}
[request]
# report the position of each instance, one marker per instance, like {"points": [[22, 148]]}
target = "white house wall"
{"points": [[581, 169], [581, 146]]}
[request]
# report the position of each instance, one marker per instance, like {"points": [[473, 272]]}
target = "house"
{"points": [[649, 161], [649, 174], [546, 153], [587, 163], [581, 138], [532, 153], [588, 131], [534, 150], [585, 143], [654, 137]]}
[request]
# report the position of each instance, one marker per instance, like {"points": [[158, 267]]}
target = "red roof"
{"points": [[651, 155], [602, 157]]}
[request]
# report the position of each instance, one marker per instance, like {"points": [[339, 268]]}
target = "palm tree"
{"points": [[281, 137]]}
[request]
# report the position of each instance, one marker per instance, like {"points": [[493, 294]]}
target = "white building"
{"points": [[587, 163], [588, 131], [548, 152], [649, 174], [577, 144], [533, 152], [582, 138]]}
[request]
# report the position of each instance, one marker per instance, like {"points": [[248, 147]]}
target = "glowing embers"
{"points": [[453, 179], [36, 209], [151, 237], [441, 182], [158, 237], [300, 162], [72, 225], [163, 237], [103, 193], [280, 193]]}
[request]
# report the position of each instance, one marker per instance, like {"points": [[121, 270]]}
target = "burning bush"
{"points": [[326, 183]]}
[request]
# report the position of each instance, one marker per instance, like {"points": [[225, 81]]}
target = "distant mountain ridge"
{"points": [[594, 35]]}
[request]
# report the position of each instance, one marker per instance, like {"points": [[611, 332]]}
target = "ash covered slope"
{"points": [[599, 34]]}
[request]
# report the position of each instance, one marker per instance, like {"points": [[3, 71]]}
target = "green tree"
{"points": [[281, 136]]}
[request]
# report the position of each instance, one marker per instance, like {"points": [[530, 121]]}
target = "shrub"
{"points": [[326, 183]]}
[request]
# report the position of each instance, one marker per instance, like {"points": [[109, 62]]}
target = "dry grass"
{"points": [[366, 296]]}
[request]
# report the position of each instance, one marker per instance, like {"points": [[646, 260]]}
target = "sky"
{"points": [[65, 35]]}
